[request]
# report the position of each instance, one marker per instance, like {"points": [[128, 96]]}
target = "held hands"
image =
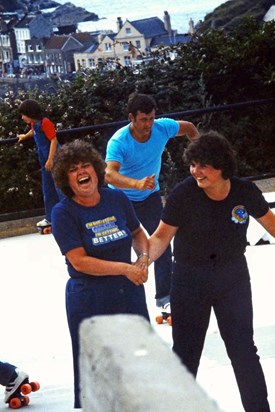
{"points": [[137, 273], [147, 182]]}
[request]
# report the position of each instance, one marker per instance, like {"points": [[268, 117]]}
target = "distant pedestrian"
{"points": [[44, 133]]}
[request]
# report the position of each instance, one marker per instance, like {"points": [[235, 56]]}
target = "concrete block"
{"points": [[126, 367]]}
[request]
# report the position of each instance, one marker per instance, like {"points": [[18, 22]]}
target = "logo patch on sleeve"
{"points": [[239, 214]]}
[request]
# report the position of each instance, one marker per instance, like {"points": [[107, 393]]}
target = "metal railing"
{"points": [[82, 131]]}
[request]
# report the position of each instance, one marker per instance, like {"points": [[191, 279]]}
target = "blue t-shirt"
{"points": [[209, 228], [103, 230], [139, 160]]}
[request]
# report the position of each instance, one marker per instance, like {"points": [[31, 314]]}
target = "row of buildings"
{"points": [[32, 44]]}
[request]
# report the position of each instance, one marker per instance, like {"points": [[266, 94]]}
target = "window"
{"points": [[128, 31], [126, 46], [138, 44], [108, 47], [91, 62]]}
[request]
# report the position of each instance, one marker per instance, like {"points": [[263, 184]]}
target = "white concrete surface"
{"points": [[34, 333]]}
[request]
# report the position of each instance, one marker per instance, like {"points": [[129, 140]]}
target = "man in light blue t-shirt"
{"points": [[133, 159]]}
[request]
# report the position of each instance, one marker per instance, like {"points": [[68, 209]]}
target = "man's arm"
{"points": [[187, 129], [116, 179]]}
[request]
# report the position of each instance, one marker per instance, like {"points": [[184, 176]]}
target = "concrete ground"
{"points": [[34, 333]]}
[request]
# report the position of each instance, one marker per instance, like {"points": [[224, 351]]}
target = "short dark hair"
{"points": [[138, 102], [73, 153], [212, 148], [31, 109]]}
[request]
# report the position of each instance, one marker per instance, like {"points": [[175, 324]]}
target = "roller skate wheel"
{"points": [[26, 388], [44, 230], [159, 319], [25, 400], [35, 386], [15, 403]]}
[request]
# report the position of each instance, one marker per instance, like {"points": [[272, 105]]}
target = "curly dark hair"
{"points": [[212, 148], [77, 151], [138, 102], [31, 109]]}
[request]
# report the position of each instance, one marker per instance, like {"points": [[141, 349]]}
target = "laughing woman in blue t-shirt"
{"points": [[207, 214], [95, 228]]}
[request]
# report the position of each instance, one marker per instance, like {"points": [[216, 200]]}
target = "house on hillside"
{"points": [[29, 27], [35, 57], [59, 51], [8, 50], [133, 42]]}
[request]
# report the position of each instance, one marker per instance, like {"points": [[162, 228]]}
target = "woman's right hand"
{"points": [[137, 275]]}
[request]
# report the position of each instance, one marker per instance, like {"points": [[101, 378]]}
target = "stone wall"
{"points": [[19, 227]]}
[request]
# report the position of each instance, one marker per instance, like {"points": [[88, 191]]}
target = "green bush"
{"points": [[217, 68]]}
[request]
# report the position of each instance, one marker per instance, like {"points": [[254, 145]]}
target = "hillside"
{"points": [[24, 5], [67, 14], [231, 13]]}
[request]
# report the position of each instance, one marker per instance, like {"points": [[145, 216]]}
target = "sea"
{"points": [[180, 11]]}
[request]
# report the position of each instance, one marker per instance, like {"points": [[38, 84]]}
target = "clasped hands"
{"points": [[137, 272]]}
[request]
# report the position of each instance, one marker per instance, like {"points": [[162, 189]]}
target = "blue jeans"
{"points": [[51, 194], [225, 287], [6, 371], [91, 296], [149, 212]]}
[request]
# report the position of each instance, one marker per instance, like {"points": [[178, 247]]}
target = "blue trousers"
{"points": [[225, 287], [149, 212], [51, 194], [6, 371], [91, 296]]}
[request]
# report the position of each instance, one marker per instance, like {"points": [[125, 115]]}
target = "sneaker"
{"points": [[160, 302], [14, 385], [43, 223], [166, 307]]}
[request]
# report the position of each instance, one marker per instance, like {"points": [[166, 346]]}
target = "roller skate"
{"points": [[44, 227], [165, 315], [17, 390]]}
